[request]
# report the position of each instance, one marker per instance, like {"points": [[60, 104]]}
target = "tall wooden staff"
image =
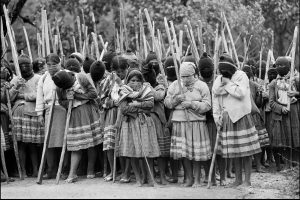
{"points": [[175, 64], [193, 42], [142, 52], [136, 31], [74, 42], [231, 40], [27, 42], [121, 33], [175, 40], [51, 36], [200, 37], [124, 23], [46, 33], [96, 45], [79, 32], [216, 51], [59, 39], [3, 45], [38, 39], [63, 151], [260, 60], [46, 141]]}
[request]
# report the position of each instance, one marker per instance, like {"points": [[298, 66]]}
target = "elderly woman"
{"points": [[28, 126], [138, 137], [44, 100], [190, 137], [232, 114]]}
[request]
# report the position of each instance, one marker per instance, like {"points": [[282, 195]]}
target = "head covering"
{"points": [[38, 64], [248, 70], [263, 68], [24, 59], [187, 69], [149, 74], [52, 59], [88, 61], [170, 69], [226, 66], [6, 73], [151, 56], [189, 58], [272, 74], [240, 58], [73, 65], [64, 79], [107, 59], [97, 70], [206, 66], [78, 56], [283, 61], [118, 62], [250, 62], [132, 73], [131, 59]]}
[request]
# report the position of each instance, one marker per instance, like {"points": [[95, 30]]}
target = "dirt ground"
{"points": [[264, 186]]}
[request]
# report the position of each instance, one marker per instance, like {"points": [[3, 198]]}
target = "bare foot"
{"points": [[196, 185], [247, 183], [188, 183], [163, 181], [236, 184], [222, 183]]}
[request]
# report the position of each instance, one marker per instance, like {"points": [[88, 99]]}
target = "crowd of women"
{"points": [[124, 112]]}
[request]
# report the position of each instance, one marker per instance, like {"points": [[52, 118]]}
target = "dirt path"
{"points": [[264, 186]]}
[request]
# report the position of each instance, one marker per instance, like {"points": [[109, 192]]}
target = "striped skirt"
{"points": [[6, 139], [163, 136], [137, 133], [84, 128], [238, 139], [27, 128], [58, 126], [261, 129], [109, 131], [190, 141]]}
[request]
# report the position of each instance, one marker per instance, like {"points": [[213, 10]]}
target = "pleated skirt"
{"points": [[261, 129], [238, 139], [109, 130], [84, 128], [27, 128], [138, 138], [6, 139], [190, 141], [163, 136]]}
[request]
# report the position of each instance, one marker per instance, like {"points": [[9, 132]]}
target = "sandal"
{"points": [[72, 180], [108, 178], [124, 180]]}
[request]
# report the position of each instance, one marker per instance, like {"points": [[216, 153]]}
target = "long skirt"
{"points": [[212, 131], [163, 136], [84, 128], [190, 141], [138, 137], [285, 128], [109, 130], [58, 126], [238, 139], [268, 121], [261, 129], [27, 128], [6, 140]]}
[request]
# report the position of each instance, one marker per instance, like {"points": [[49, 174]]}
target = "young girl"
{"points": [[44, 100], [159, 118], [285, 123], [138, 137], [190, 137], [84, 127], [27, 125], [232, 114]]}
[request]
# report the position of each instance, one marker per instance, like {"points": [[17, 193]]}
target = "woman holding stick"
{"points": [[235, 122], [84, 127], [206, 69], [138, 137], [28, 126], [43, 102], [193, 147], [285, 123], [159, 118]]}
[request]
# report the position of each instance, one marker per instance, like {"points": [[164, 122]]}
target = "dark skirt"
{"points": [[212, 131], [238, 139], [261, 129], [58, 126], [163, 136], [109, 130], [6, 139], [138, 137], [27, 128], [84, 128], [190, 141]]}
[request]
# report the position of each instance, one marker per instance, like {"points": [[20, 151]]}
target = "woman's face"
{"points": [[53, 68], [187, 80], [121, 73], [135, 83]]}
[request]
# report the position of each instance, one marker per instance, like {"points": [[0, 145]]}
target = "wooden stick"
{"points": [[175, 41], [142, 52], [163, 49], [46, 33], [260, 60], [193, 42], [14, 137], [59, 38], [293, 52], [272, 41], [96, 45], [39, 45], [3, 46], [63, 151], [51, 36], [47, 136], [94, 23], [102, 43], [200, 37], [266, 79], [124, 24], [83, 21], [216, 51], [27, 42], [190, 40], [231, 40], [12, 43], [74, 42], [79, 32], [121, 33], [43, 34], [224, 41], [3, 159], [213, 160], [103, 51], [55, 46]]}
